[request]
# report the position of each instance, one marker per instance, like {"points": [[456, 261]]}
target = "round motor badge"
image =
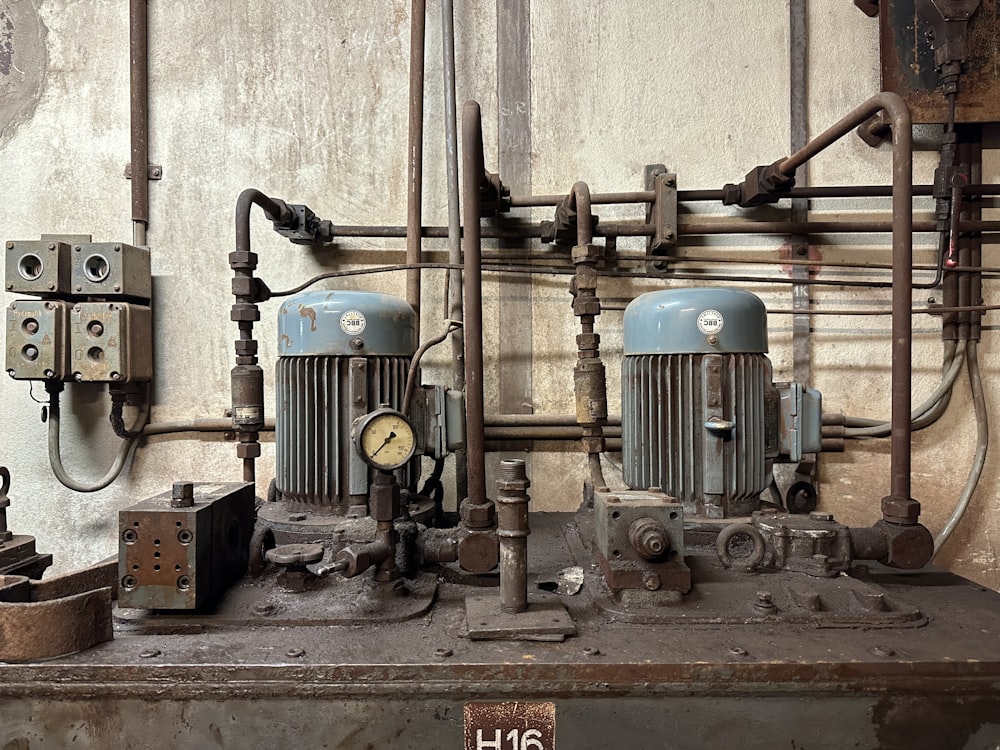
{"points": [[353, 322], [710, 322]]}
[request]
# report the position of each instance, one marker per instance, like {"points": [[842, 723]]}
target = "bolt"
{"points": [[150, 653], [591, 651], [800, 251], [184, 583], [295, 653], [95, 329], [31, 353], [129, 582], [10, 286], [52, 287], [118, 287], [78, 377], [651, 581], [118, 248], [49, 374], [764, 602], [882, 651], [77, 248], [31, 326], [156, 172], [443, 653], [182, 493], [737, 651], [817, 515], [185, 536], [713, 339], [668, 235], [129, 536], [52, 246], [116, 376], [357, 343], [10, 245], [79, 288]]}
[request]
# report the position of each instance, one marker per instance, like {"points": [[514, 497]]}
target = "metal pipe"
{"points": [[415, 153], [512, 533], [453, 300], [642, 229], [473, 175], [138, 118], [247, 378], [902, 260]]}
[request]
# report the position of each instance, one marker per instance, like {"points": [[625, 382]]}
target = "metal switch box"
{"points": [[37, 340], [38, 267], [111, 269], [111, 342]]}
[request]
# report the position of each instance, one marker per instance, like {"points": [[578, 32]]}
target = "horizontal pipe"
{"points": [[642, 229]]}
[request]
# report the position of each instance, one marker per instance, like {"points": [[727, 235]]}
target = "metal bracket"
{"points": [[153, 172], [662, 212]]}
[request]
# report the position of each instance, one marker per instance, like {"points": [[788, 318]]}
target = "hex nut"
{"points": [[248, 450], [478, 515], [586, 253], [900, 511]]}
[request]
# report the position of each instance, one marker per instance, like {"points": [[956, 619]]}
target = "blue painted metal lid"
{"points": [[346, 323], [695, 321]]}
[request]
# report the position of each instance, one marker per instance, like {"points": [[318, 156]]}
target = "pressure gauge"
{"points": [[384, 438]]}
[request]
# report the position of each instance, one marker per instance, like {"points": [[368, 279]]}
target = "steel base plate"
{"points": [[546, 619]]}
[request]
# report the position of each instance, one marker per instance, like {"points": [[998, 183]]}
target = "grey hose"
{"points": [[982, 446], [55, 457], [921, 416]]}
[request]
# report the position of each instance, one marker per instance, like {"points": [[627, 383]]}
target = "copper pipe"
{"points": [[415, 152], [473, 176], [138, 117]]}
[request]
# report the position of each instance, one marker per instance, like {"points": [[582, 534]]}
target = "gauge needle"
{"points": [[385, 442]]}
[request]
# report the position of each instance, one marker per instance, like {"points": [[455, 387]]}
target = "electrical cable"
{"points": [[411, 375], [982, 447], [55, 457], [921, 416]]}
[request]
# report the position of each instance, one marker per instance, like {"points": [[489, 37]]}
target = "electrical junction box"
{"points": [[111, 270], [184, 557], [36, 344], [38, 267], [111, 342]]}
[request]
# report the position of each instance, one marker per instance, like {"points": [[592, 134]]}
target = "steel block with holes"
{"points": [[179, 556], [111, 342]]}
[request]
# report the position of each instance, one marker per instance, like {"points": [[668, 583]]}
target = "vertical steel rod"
{"points": [[415, 153], [473, 175], [139, 121]]}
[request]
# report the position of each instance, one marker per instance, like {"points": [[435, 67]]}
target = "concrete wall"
{"points": [[309, 103]]}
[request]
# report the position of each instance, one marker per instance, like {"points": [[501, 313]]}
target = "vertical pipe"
{"points": [[512, 533], [454, 300], [415, 154], [976, 175], [902, 262], [473, 175], [139, 124], [962, 211]]}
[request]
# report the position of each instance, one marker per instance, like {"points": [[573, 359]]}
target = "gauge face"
{"points": [[385, 439]]}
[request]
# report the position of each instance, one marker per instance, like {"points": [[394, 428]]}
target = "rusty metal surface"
{"points": [[544, 619], [42, 620], [183, 557], [614, 684], [908, 64]]}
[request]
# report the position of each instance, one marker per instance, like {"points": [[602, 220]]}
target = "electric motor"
{"points": [[342, 354], [697, 399]]}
